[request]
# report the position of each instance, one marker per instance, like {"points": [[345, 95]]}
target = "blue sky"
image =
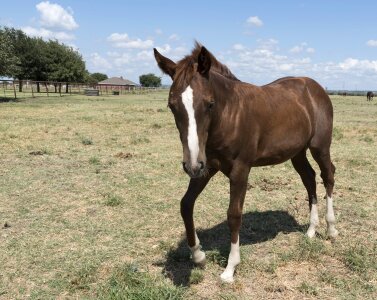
{"points": [[334, 42]]}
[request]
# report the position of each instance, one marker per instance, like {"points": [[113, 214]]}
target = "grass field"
{"points": [[89, 208]]}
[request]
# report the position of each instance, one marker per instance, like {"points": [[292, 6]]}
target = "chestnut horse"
{"points": [[230, 126]]}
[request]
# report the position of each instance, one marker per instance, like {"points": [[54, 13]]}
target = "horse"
{"points": [[370, 96], [231, 126]]}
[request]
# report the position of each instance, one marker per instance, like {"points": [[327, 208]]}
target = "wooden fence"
{"points": [[13, 89]]}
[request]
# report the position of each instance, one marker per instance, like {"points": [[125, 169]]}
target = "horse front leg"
{"points": [[194, 189], [238, 186]]}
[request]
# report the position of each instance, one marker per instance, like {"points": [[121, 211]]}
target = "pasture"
{"points": [[89, 208]]}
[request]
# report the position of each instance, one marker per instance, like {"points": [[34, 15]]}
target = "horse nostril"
{"points": [[201, 165]]}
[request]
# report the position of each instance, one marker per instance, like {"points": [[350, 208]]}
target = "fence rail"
{"points": [[13, 89]]}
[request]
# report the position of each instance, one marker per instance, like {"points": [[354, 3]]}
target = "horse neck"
{"points": [[222, 87], [229, 94], [230, 102]]}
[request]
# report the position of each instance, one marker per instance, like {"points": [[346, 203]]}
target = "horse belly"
{"points": [[280, 147]]}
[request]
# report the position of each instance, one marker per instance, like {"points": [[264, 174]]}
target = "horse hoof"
{"points": [[227, 278], [310, 233], [333, 233], [200, 259], [201, 264]]}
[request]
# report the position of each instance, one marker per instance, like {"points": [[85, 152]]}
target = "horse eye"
{"points": [[211, 104]]}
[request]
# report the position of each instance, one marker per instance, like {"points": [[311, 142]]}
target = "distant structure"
{"points": [[116, 85]]}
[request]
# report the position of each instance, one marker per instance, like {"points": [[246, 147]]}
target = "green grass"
{"points": [[197, 276], [361, 259], [86, 141], [307, 289], [129, 283], [113, 200], [90, 190], [94, 160]]}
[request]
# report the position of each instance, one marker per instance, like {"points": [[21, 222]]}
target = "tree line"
{"points": [[31, 58]]}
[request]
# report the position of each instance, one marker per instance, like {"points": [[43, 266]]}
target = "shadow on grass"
{"points": [[5, 100], [257, 227]]}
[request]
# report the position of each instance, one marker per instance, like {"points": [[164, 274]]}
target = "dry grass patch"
{"points": [[90, 191]]}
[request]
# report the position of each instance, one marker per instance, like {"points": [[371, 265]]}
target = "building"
{"points": [[116, 84]]}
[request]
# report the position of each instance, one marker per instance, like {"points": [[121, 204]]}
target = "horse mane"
{"points": [[186, 67]]}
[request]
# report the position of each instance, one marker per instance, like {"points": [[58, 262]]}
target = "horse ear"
{"points": [[204, 61], [166, 65]]}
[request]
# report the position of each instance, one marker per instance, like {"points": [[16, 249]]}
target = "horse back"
{"points": [[294, 113]]}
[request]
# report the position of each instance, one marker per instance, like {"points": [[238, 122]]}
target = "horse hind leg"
{"points": [[307, 174], [322, 157]]}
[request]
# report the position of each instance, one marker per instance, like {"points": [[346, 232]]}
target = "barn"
{"points": [[116, 85]]}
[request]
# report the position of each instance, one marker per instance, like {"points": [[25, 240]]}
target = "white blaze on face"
{"points": [[192, 137]]}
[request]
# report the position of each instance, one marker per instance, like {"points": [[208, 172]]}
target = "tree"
{"points": [[94, 78], [24, 49], [150, 80], [64, 64], [23, 57], [31, 56], [97, 77], [8, 59]]}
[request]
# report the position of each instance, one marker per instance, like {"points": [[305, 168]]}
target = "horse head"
{"points": [[191, 101]]}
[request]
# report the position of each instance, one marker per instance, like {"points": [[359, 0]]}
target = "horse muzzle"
{"points": [[195, 171]]}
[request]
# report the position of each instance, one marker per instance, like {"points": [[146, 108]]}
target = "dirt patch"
{"points": [[267, 184], [38, 152], [123, 155]]}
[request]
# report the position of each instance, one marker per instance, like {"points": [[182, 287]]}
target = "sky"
{"points": [[332, 41]]}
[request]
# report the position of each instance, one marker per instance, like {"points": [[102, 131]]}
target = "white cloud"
{"points": [[145, 55], [254, 21], [296, 49], [122, 60], [165, 49], [268, 44], [238, 47], [98, 62], [122, 40], [285, 67], [174, 37], [301, 48], [173, 53], [118, 37], [360, 65], [261, 65], [136, 44], [47, 34], [372, 43], [54, 16], [158, 31]]}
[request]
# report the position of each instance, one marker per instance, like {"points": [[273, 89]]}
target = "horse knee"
{"points": [[234, 223], [234, 218]]}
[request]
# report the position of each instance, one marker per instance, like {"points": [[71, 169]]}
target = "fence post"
{"points": [[14, 89], [32, 90]]}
